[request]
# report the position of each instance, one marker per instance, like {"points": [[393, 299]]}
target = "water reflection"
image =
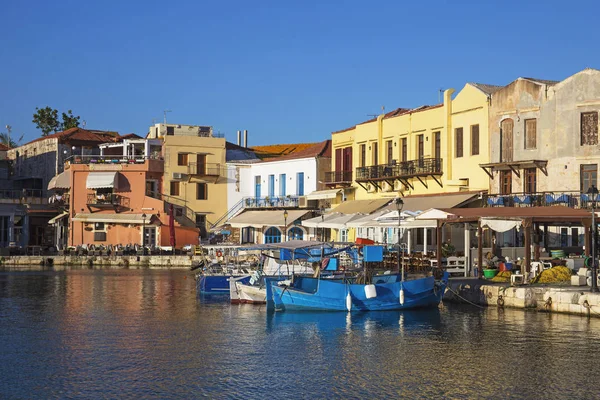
{"points": [[142, 333]]}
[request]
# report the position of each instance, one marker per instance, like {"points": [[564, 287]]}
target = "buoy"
{"points": [[349, 302], [401, 296]]}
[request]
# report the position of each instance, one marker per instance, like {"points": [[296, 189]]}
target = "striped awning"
{"points": [[60, 181], [260, 219], [101, 180]]}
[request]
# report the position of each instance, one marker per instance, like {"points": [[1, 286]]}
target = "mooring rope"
{"points": [[460, 297]]}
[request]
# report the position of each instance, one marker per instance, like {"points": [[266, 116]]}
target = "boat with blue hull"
{"points": [[387, 292], [217, 284]]}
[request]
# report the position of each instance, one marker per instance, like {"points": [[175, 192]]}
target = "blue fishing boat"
{"points": [[382, 292], [215, 284], [388, 293]]}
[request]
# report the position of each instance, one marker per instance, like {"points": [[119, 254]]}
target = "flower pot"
{"points": [[490, 273]]}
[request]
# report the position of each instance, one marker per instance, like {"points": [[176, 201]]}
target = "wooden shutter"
{"points": [[338, 160], [507, 140], [458, 133], [589, 128], [474, 140], [530, 133]]}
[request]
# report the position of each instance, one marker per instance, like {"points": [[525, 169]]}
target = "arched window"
{"points": [[295, 233], [273, 235]]}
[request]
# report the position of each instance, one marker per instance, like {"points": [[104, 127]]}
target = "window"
{"points": [[588, 176], [375, 153], [505, 182], [201, 191], [530, 133], [182, 159], [363, 155], [273, 235], [589, 128], [564, 237], [421, 237], [99, 226], [300, 183], [174, 188], [437, 149], [271, 188], [390, 151], [343, 235], [201, 221], [282, 178], [170, 130], [257, 189], [530, 180], [420, 147], [458, 136], [248, 235], [295, 233], [575, 237], [404, 149], [99, 236], [475, 140]]}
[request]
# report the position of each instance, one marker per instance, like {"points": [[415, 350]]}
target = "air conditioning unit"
{"points": [[302, 202], [371, 188], [177, 175], [386, 187]]}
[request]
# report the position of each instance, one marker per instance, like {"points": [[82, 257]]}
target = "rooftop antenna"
{"points": [[165, 113], [83, 124], [440, 91], [8, 129]]}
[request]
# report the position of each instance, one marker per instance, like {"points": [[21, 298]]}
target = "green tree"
{"points": [[7, 140], [69, 120], [46, 120]]}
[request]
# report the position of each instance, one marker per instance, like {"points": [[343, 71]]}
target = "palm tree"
{"points": [[7, 140]]}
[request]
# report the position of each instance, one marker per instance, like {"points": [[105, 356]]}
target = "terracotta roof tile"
{"points": [[81, 135], [3, 147], [322, 149], [279, 150]]}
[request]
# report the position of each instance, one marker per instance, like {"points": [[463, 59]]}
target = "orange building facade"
{"points": [[116, 201]]}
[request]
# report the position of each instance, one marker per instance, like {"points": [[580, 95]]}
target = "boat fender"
{"points": [[401, 296], [500, 301], [370, 291], [349, 302], [219, 253]]}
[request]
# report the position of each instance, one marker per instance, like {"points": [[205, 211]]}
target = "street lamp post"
{"points": [[322, 211], [399, 205], [285, 215], [593, 192], [144, 234]]}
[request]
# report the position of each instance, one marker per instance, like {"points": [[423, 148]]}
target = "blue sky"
{"points": [[288, 71]]}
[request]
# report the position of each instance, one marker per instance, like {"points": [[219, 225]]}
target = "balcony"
{"points": [[207, 170], [271, 202], [338, 178], [403, 171], [539, 199], [22, 196], [107, 201]]}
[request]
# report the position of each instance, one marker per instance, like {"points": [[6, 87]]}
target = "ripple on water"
{"points": [[145, 334]]}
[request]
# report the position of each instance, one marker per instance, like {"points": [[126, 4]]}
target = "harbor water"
{"points": [[146, 334]]}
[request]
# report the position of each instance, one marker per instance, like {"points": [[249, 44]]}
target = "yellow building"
{"points": [[194, 175], [417, 153]]}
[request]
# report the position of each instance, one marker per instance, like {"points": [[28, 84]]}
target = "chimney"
{"points": [[245, 137], [239, 137]]}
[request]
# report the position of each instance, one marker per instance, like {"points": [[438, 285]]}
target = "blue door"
{"points": [[300, 184], [257, 186], [282, 185], [271, 186]]}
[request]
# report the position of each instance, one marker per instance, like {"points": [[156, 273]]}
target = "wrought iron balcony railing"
{"points": [[268, 202], [207, 169], [571, 199], [338, 177], [107, 200], [404, 169]]}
